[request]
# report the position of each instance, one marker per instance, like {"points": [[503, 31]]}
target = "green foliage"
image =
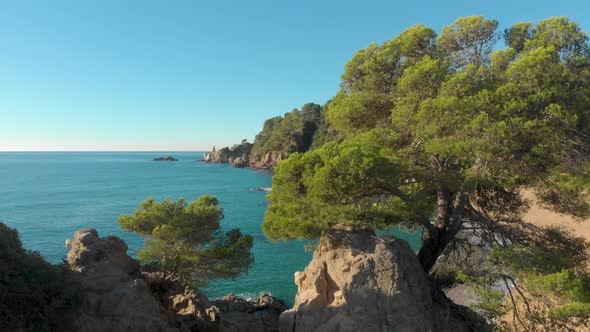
{"points": [[370, 78], [296, 131], [351, 183], [469, 40], [35, 295], [446, 127], [185, 241], [517, 35]]}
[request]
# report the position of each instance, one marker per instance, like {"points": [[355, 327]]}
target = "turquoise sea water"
{"points": [[48, 196]]}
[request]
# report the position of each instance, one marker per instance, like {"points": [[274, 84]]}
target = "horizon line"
{"points": [[24, 151]]}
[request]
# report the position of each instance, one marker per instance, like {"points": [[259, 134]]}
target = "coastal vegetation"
{"points": [[443, 134], [185, 242], [550, 283], [35, 295], [293, 132], [281, 136]]}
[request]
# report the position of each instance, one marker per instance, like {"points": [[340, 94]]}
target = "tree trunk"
{"points": [[429, 253], [448, 222]]}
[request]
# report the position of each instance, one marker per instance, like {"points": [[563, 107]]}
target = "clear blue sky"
{"points": [[185, 75]]}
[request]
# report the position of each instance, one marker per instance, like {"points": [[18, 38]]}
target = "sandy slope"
{"points": [[542, 217]]}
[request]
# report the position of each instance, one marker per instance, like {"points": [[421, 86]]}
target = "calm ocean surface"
{"points": [[48, 196]]}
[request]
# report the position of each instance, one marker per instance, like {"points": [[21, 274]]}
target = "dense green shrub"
{"points": [[34, 295], [185, 241]]}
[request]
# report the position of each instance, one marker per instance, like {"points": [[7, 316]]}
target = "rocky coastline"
{"points": [[355, 281], [238, 155], [116, 295]]}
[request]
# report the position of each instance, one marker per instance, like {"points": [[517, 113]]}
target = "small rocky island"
{"points": [[166, 158]]}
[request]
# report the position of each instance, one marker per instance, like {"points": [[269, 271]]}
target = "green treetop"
{"points": [[444, 133], [185, 241]]}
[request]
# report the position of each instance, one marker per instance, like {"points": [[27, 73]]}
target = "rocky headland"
{"points": [[281, 136], [238, 155]]}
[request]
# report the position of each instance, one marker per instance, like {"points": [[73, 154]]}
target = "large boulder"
{"points": [[114, 295], [359, 282]]}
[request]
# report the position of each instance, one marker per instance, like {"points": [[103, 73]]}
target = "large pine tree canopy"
{"points": [[447, 131]]}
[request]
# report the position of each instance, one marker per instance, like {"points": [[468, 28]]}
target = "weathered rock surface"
{"points": [[167, 158], [359, 282], [114, 295], [191, 307], [238, 155], [117, 296]]}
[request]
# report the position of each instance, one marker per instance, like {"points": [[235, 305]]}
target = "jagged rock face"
{"points": [[238, 155], [191, 307], [114, 296], [359, 282]]}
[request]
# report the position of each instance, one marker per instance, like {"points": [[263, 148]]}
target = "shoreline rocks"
{"points": [[117, 296], [241, 155], [239, 314], [238, 155]]}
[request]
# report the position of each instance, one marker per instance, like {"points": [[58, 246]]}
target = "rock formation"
{"points": [[117, 296], [243, 315], [238, 155], [167, 158], [359, 282]]}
